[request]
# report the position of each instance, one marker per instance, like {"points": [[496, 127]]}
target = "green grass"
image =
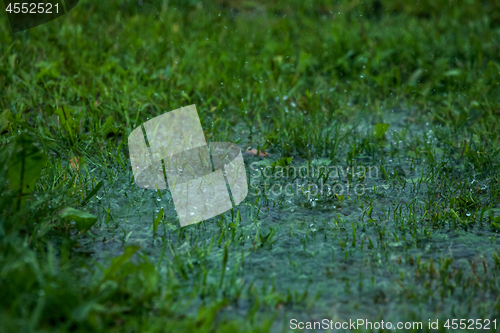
{"points": [[311, 81]]}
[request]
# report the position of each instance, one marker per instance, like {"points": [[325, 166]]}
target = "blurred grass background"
{"points": [[239, 56]]}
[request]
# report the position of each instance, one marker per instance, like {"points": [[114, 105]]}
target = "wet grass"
{"points": [[394, 107]]}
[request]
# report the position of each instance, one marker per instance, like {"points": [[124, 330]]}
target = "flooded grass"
{"points": [[377, 198]]}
